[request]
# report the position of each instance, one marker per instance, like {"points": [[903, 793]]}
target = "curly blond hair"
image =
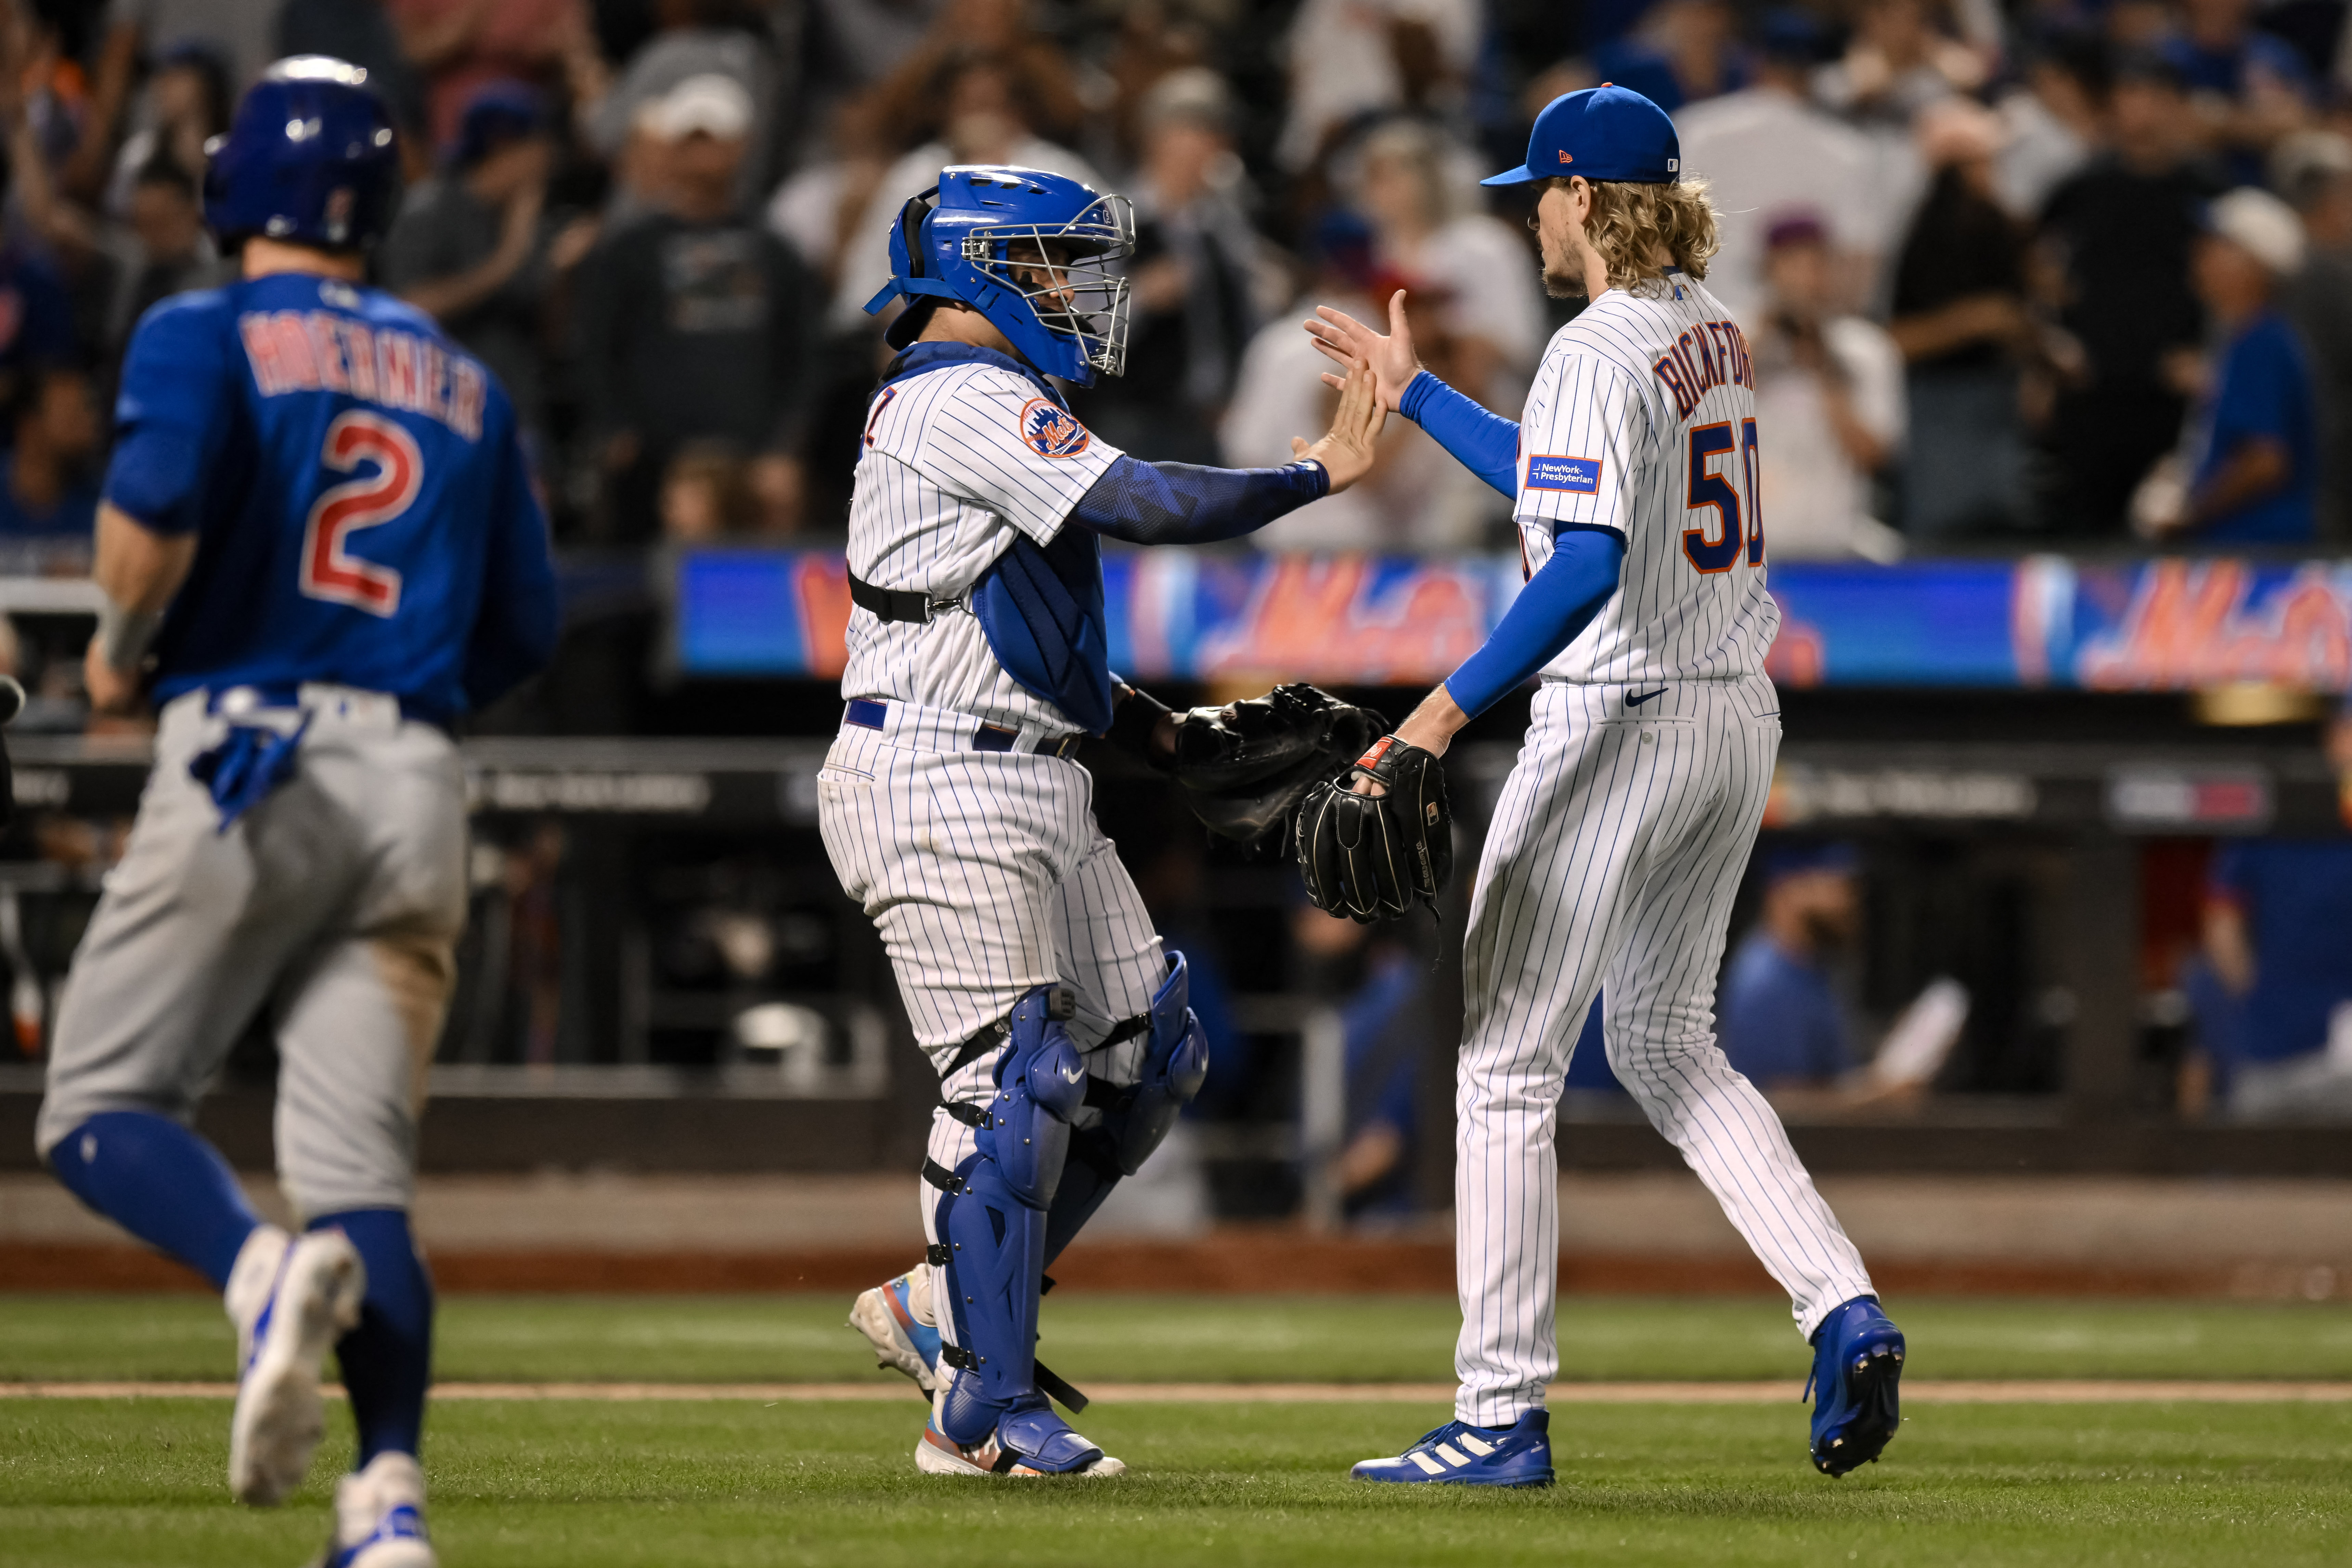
{"points": [[1631, 222]]}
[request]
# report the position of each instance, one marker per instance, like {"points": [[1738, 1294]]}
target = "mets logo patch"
{"points": [[1581, 475], [1050, 430]]}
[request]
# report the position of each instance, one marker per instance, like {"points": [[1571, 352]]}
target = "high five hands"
{"points": [[1346, 450], [1343, 338]]}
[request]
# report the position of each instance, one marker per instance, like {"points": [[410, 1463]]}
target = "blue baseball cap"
{"points": [[1605, 132]]}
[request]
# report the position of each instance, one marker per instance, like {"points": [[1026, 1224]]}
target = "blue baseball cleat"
{"points": [[1469, 1456], [886, 1316], [1857, 1364]]}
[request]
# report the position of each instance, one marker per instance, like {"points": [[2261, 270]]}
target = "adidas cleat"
{"points": [[886, 1316], [291, 1300], [1461, 1455], [1858, 1366]]}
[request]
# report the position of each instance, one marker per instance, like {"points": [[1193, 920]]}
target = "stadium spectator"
{"points": [[983, 118], [1780, 1020], [1898, 60], [701, 37], [706, 495], [1379, 986], [161, 248], [2248, 471], [1477, 272], [2271, 995], [184, 104], [2313, 169], [690, 321], [461, 46], [1828, 391], [1351, 59], [1959, 317], [2247, 88], [49, 479], [237, 35], [815, 209], [910, 102], [1416, 497], [474, 246], [2053, 120], [2115, 241], [1682, 52], [1766, 149], [1194, 279]]}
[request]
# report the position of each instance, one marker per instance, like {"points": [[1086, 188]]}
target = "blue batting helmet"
{"points": [[1030, 250], [309, 159]]}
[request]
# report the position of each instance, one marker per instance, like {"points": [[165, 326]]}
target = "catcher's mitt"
{"points": [[1245, 767], [1371, 858]]}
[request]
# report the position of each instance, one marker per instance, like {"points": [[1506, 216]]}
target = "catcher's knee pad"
{"points": [[1175, 1060], [991, 1210]]}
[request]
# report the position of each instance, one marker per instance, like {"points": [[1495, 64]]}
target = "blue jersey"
{"points": [[362, 510]]}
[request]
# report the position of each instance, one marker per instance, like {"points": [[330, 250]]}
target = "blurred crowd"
{"points": [[2017, 273]]}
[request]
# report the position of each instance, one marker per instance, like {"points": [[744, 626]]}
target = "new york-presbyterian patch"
{"points": [[1581, 475], [1051, 430]]}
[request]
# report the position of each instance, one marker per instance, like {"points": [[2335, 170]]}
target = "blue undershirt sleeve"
{"points": [[1179, 504], [1485, 444], [1558, 602]]}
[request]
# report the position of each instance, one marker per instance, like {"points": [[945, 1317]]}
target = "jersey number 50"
{"points": [[1714, 546], [358, 437]]}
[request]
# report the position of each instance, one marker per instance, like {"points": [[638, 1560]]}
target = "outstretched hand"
{"points": [[1343, 338], [1346, 450]]}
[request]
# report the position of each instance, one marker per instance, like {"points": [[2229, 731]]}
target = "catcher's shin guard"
{"points": [[1135, 1116], [1174, 1063], [992, 1213]]}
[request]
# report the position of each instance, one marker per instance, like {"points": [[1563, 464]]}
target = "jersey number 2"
{"points": [[1731, 528], [358, 437]]}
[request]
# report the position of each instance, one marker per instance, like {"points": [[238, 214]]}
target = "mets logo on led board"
{"points": [[1050, 430]]}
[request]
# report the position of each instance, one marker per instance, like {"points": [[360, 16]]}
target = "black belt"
{"points": [[891, 604]]}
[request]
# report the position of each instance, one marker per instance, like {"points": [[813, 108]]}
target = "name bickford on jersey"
{"points": [[1641, 422]]}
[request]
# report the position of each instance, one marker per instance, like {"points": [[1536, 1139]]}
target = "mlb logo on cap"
{"points": [[1605, 132]]}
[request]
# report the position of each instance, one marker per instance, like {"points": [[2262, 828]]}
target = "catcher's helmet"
{"points": [[309, 159], [976, 238]]}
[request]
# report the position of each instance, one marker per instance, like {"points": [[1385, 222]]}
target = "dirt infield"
{"points": [[1239, 1262], [1773, 1392]]}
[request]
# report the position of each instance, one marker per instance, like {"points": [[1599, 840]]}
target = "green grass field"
{"points": [[739, 1482]]}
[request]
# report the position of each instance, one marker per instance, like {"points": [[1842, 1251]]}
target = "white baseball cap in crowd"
{"points": [[2257, 222], [713, 104]]}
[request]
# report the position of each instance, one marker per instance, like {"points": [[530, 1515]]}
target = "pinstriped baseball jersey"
{"points": [[1642, 421], [955, 464]]}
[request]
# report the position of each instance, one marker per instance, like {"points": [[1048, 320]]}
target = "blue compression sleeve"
{"points": [[1557, 603], [1179, 504], [1485, 444]]}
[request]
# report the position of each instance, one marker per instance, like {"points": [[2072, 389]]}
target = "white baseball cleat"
{"points": [[379, 1518], [290, 1300], [894, 1318]]}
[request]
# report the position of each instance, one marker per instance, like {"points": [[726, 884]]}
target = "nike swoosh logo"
{"points": [[1637, 701]]}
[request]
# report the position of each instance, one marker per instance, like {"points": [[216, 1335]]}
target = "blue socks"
{"points": [[160, 1183], [388, 1360], [173, 1190]]}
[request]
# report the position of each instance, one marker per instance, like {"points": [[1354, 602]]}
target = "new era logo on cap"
{"points": [[1580, 475]]}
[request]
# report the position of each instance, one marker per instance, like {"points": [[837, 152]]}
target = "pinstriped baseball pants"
{"points": [[1611, 865], [987, 875]]}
